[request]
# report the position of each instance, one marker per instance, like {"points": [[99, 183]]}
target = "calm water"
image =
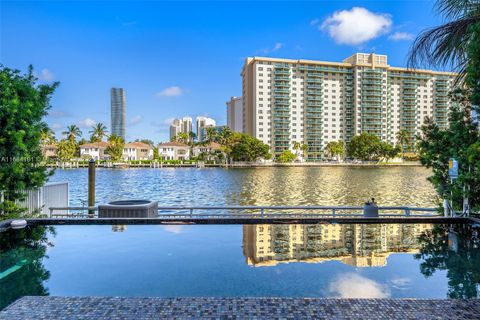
{"points": [[351, 261], [257, 186]]}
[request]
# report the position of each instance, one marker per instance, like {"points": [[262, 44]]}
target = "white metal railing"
{"points": [[41, 199], [258, 211]]}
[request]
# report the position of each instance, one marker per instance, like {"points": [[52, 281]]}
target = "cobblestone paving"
{"points": [[100, 308]]}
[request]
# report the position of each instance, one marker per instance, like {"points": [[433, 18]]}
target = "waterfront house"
{"points": [[94, 150], [174, 151], [206, 150], [137, 151], [50, 151]]}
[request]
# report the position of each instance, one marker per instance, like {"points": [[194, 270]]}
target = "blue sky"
{"points": [[184, 58]]}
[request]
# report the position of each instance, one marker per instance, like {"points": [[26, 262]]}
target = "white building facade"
{"points": [[235, 114], [173, 151], [203, 122], [95, 150], [315, 102], [137, 151], [180, 125]]}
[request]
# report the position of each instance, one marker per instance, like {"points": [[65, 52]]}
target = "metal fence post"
{"points": [[91, 186]]}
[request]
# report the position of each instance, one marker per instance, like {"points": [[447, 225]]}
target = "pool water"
{"points": [[325, 260]]}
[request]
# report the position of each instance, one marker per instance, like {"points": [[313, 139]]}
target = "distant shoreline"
{"points": [[243, 165]]}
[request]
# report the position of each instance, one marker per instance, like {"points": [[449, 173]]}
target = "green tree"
{"points": [[212, 134], [454, 43], [335, 149], [404, 139], [364, 147], [98, 132], [115, 147], [300, 149], [460, 262], [72, 133], [286, 156], [247, 148], [386, 151], [66, 150], [23, 104], [26, 248], [459, 140]]}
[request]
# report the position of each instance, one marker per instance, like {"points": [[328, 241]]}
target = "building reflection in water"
{"points": [[360, 245], [119, 228]]}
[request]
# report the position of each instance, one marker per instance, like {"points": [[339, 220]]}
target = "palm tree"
{"points": [[72, 132], [182, 137], [98, 132], [403, 138], [447, 44], [212, 134], [47, 136], [297, 146], [224, 135]]}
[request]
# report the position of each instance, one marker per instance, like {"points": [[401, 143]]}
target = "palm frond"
{"points": [[445, 45]]}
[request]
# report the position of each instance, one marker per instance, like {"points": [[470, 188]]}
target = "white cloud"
{"points": [[356, 26], [86, 123], [314, 22], [56, 126], [176, 229], [135, 120], [352, 285], [399, 36], [170, 92], [401, 283], [46, 75], [276, 47]]}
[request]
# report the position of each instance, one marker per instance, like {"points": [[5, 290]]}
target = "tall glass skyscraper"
{"points": [[118, 112]]}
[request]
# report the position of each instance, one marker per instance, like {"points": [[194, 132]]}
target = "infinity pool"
{"points": [[325, 260]]}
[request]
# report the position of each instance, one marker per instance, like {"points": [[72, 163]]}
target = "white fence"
{"points": [[50, 195]]}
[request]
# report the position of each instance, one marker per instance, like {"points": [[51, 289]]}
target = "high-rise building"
{"points": [[203, 122], [235, 114], [118, 112], [187, 124], [315, 102], [175, 128], [180, 125]]}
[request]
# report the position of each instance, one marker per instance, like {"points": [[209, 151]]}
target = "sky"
{"points": [[184, 58]]}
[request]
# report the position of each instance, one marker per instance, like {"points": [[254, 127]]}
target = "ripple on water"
{"points": [[257, 186]]}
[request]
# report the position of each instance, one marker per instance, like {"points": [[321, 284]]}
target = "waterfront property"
{"points": [[137, 151], [50, 151], [173, 151], [315, 102], [94, 150], [206, 150]]}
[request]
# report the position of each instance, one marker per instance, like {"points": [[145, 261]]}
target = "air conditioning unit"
{"points": [[129, 209]]}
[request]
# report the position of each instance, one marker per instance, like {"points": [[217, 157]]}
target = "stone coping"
{"points": [[5, 224], [102, 308]]}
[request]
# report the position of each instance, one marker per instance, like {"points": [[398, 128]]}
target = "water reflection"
{"points": [[359, 245], [258, 186], [21, 263], [455, 249]]}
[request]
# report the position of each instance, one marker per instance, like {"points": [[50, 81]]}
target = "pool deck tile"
{"points": [[100, 308]]}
